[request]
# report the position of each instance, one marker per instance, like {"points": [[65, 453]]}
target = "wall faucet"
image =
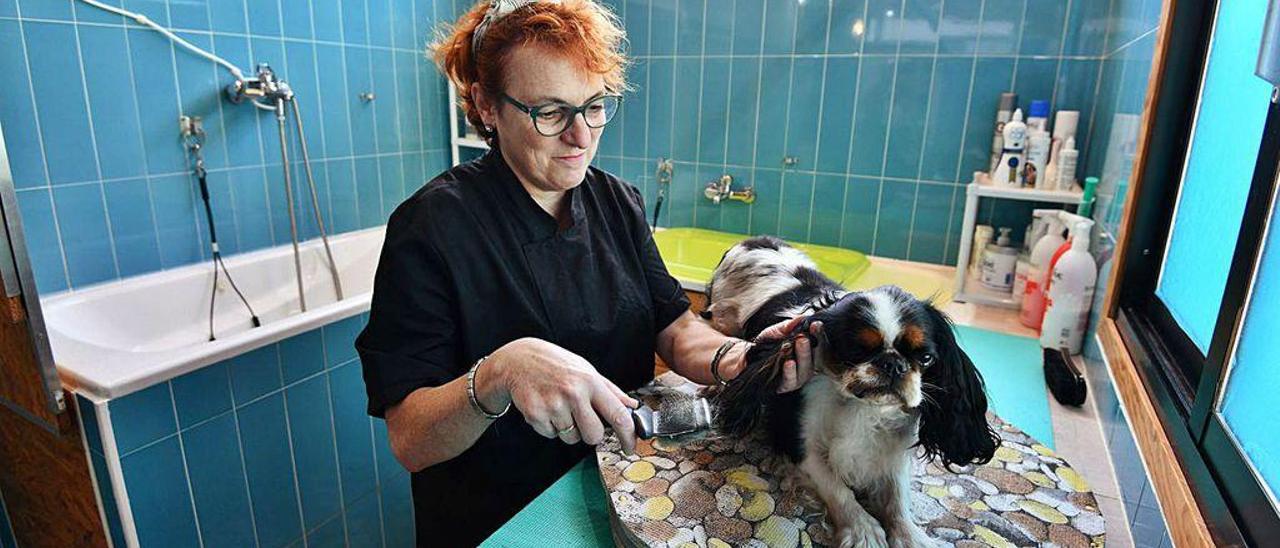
{"points": [[720, 190]]}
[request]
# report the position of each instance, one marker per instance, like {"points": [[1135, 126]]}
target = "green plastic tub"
{"points": [[691, 255]]}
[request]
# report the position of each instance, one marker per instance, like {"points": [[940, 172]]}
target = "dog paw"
{"points": [[911, 536], [863, 533]]}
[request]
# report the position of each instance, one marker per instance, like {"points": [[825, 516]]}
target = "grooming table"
{"points": [[712, 491]]}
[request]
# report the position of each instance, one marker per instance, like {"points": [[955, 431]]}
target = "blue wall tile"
{"points": [[351, 428], [806, 104], [893, 227], [689, 35], [86, 240], [132, 225], [202, 394], [311, 433], [254, 374], [218, 482], [871, 119], [17, 111], [861, 205], [944, 131], [44, 246], [779, 27], [907, 117], [89, 417], [142, 417], [270, 471], [161, 504], [111, 102], [55, 69]]}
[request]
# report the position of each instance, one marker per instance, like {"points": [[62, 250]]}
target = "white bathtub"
{"points": [[113, 339]]}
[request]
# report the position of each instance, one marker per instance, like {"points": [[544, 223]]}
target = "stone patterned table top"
{"points": [[710, 491]]}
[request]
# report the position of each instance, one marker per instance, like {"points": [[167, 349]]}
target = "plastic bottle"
{"points": [[998, 263], [1066, 168], [1003, 114], [1086, 201], [1037, 161], [1032, 310], [1038, 116], [1065, 123], [1074, 279], [1009, 171], [981, 237]]}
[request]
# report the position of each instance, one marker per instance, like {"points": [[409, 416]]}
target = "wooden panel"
{"points": [[1182, 513], [47, 487], [21, 382]]}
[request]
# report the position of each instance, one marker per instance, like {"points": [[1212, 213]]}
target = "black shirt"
{"points": [[470, 263]]}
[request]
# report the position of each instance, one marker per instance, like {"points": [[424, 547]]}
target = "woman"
{"points": [[526, 280]]}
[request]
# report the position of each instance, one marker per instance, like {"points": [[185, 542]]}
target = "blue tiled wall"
{"points": [[90, 120], [1126, 64], [262, 448], [886, 125]]}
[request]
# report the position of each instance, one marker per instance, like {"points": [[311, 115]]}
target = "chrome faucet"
{"points": [[720, 190]]}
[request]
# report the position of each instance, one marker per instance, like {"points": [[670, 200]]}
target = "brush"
{"points": [[677, 414]]}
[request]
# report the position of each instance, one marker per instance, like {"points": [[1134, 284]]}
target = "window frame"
{"points": [[1183, 383]]}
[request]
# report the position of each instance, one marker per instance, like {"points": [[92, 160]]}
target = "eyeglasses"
{"points": [[551, 119]]}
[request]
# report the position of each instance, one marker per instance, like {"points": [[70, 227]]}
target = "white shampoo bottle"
{"points": [[1071, 288]]}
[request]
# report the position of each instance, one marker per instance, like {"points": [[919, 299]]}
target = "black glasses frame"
{"points": [[534, 110]]}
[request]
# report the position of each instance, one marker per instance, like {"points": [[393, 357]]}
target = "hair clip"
{"points": [[497, 10]]}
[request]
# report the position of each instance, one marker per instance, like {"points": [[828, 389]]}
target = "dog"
{"points": [[889, 381]]}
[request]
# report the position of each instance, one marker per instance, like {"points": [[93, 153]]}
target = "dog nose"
{"points": [[893, 364]]}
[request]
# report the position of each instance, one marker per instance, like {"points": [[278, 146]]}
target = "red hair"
{"points": [[585, 32]]}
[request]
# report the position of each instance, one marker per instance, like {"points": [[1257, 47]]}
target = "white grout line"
{"points": [[755, 141], [728, 103], [146, 154], [244, 468], [888, 132], [853, 125], [671, 115], [786, 126], [93, 142], [44, 157], [288, 432], [924, 142], [1062, 47], [186, 470], [822, 101], [697, 134], [333, 431]]}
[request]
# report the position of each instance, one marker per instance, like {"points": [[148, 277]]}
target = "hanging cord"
{"points": [[195, 142]]}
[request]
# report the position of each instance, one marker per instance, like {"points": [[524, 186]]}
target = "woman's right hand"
{"points": [[561, 395]]}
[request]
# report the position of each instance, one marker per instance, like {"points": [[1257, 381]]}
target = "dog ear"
{"points": [[953, 422], [741, 404]]}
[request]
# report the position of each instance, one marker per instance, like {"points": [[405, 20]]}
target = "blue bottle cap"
{"points": [[1039, 109]]}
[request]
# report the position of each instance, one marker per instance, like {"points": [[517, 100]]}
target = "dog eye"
{"points": [[927, 359]]}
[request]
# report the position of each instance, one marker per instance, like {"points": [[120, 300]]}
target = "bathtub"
{"points": [[117, 338]]}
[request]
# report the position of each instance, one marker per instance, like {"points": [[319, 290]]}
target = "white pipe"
{"points": [[144, 21]]}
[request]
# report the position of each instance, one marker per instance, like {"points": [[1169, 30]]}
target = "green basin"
{"points": [[691, 255]]}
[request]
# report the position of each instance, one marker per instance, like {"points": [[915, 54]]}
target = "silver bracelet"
{"points": [[471, 393], [720, 353]]}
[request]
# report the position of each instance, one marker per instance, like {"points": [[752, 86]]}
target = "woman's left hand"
{"points": [[797, 369]]}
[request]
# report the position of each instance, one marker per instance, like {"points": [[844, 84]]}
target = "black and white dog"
{"points": [[888, 377]]}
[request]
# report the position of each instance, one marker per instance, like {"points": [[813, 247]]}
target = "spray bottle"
{"points": [[1004, 113], [1070, 294], [1009, 171], [1031, 309]]}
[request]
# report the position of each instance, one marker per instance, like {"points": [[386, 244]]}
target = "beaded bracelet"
{"points": [[471, 393], [715, 360]]}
